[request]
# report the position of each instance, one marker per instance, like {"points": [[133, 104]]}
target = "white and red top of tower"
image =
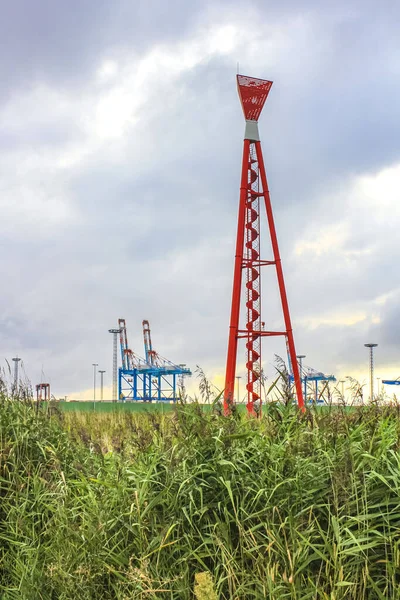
{"points": [[253, 94]]}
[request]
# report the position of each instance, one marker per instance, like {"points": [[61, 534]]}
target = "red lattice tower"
{"points": [[253, 194]]}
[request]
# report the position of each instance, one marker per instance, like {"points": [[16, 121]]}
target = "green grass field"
{"points": [[191, 505], [111, 407], [122, 407]]}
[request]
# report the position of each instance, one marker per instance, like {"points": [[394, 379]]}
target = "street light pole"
{"points": [[94, 365], [16, 361], [300, 359], [238, 377], [342, 382], [115, 333], [371, 367], [101, 384]]}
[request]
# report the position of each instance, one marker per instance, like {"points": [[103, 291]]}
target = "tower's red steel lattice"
{"points": [[253, 194]]}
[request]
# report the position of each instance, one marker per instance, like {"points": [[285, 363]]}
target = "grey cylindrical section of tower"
{"points": [[251, 131]]}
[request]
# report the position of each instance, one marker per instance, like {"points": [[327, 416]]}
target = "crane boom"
{"points": [[129, 359], [124, 343], [150, 355]]}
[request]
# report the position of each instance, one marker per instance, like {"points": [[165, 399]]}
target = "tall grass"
{"points": [[194, 505]]}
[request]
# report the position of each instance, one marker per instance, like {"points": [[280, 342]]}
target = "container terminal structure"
{"points": [[310, 376], [149, 379]]}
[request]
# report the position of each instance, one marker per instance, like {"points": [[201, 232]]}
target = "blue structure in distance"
{"points": [[154, 379], [150, 384], [307, 374], [391, 381]]}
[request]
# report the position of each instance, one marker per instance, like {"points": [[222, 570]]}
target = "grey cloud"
{"points": [[64, 42]]}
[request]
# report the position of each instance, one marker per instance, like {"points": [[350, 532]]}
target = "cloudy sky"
{"points": [[120, 152]]}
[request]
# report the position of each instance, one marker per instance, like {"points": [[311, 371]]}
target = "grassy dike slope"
{"points": [[192, 505]]}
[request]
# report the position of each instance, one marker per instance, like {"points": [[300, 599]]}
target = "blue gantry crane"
{"points": [[310, 375], [149, 379]]}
